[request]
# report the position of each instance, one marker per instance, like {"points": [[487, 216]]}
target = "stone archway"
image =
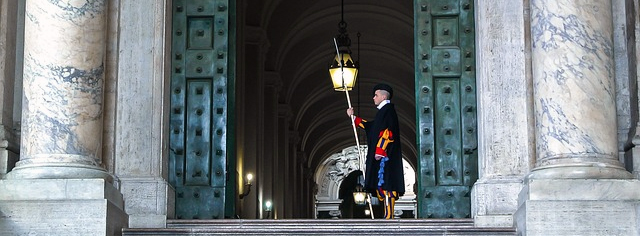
{"points": [[331, 173]]}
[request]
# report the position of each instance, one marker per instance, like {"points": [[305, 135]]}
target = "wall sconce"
{"points": [[268, 206], [247, 186]]}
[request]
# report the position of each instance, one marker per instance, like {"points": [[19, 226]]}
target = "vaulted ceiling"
{"points": [[300, 38]]}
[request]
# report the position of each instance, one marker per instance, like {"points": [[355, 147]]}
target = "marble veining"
{"points": [[572, 56], [586, 24], [75, 9], [78, 41], [65, 107], [86, 81], [569, 136], [63, 83]]}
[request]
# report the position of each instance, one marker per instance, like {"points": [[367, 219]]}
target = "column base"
{"points": [[59, 171], [579, 207], [9, 149], [150, 201], [493, 201], [61, 207], [580, 171]]}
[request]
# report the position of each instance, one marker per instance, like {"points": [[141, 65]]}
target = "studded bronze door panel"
{"points": [[446, 107], [198, 129]]}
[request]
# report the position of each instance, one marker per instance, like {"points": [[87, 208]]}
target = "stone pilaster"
{"points": [[59, 186], [61, 131], [633, 161], [625, 77], [505, 117], [284, 166], [250, 105], [578, 186], [269, 186], [141, 123], [10, 24], [296, 177]]}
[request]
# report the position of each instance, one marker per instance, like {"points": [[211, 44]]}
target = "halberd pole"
{"points": [[353, 125]]}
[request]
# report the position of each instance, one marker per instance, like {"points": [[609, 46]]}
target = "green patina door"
{"points": [[201, 78], [446, 107]]}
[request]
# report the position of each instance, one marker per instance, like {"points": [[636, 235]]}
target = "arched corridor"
{"points": [[122, 114]]}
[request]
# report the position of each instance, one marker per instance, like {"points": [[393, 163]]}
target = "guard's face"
{"points": [[378, 97]]}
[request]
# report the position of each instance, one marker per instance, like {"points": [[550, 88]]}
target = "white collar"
{"points": [[384, 102]]}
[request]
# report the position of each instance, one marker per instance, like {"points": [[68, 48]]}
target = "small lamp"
{"points": [[268, 206], [359, 195], [247, 186]]}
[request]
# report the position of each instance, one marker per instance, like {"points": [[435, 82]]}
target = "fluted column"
{"points": [[65, 48], [574, 90]]}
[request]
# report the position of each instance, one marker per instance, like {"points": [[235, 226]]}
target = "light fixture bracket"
{"points": [[343, 69], [342, 37]]}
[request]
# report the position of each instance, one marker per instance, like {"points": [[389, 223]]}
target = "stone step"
{"points": [[321, 227]]}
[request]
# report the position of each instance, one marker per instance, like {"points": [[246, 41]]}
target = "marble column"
{"points": [[574, 90], [63, 90], [578, 186], [59, 187]]}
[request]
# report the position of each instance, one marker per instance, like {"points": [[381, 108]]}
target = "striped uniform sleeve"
{"points": [[386, 137], [359, 121]]}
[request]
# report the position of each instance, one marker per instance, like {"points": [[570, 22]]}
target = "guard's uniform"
{"points": [[384, 174]]}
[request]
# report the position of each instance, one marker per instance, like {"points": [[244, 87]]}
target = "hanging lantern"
{"points": [[344, 72]]}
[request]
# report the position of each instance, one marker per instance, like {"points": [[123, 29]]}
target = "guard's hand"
{"points": [[350, 111]]}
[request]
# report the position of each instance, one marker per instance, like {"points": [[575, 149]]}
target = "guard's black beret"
{"points": [[384, 87]]}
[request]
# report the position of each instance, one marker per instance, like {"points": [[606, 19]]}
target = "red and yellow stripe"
{"points": [[386, 137]]}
